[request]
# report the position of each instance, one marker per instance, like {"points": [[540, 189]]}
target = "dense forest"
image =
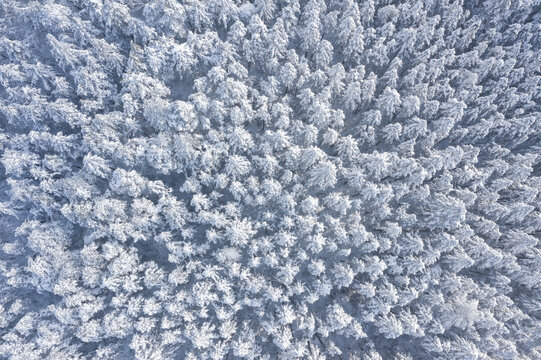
{"points": [[270, 179]]}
